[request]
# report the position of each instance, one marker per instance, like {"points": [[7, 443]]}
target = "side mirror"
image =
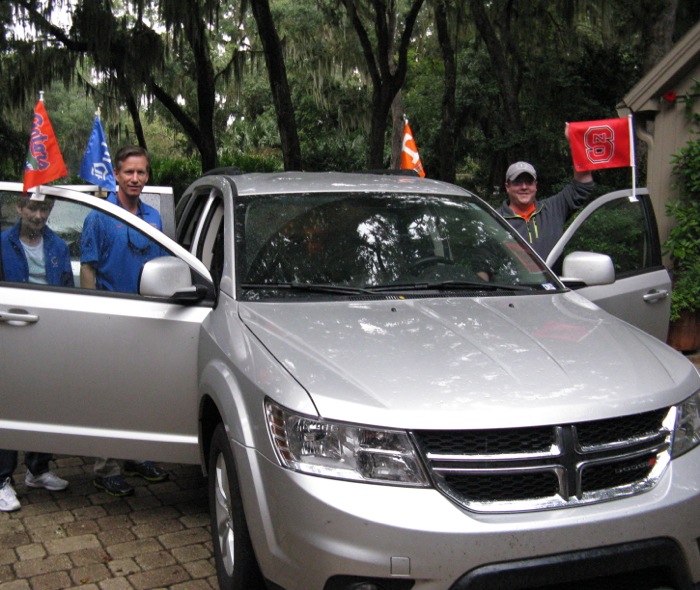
{"points": [[585, 269], [167, 277]]}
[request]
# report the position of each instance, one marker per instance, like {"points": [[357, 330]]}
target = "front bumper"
{"points": [[306, 529]]}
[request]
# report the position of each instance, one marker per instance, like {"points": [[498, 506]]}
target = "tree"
{"points": [[134, 61], [321, 83], [447, 169], [387, 75], [277, 73]]}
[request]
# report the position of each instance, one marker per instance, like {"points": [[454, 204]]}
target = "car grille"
{"points": [[521, 469]]}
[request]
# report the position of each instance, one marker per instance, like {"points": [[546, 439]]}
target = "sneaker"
{"points": [[148, 470], [8, 497], [114, 485], [48, 480]]}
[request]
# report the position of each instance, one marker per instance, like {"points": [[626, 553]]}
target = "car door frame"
{"points": [[648, 289]]}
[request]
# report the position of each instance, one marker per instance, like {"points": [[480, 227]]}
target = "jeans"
{"points": [[37, 463]]}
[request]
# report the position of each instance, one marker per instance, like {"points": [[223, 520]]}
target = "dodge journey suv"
{"points": [[386, 387]]}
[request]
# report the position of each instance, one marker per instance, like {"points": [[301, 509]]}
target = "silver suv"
{"points": [[387, 388]]}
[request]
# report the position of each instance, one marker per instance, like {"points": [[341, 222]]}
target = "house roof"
{"points": [[672, 69]]}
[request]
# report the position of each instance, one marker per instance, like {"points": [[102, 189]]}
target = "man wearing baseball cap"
{"points": [[541, 223]]}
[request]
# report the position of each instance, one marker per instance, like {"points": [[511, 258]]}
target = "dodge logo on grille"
{"points": [[642, 465]]}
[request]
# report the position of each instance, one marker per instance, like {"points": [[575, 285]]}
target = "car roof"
{"points": [[267, 183]]}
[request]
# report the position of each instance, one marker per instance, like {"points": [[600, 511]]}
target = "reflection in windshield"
{"points": [[367, 241]]}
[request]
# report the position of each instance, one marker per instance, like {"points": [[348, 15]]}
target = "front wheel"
{"points": [[236, 566]]}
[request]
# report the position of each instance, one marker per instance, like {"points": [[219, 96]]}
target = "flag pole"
{"points": [[38, 196], [100, 191], [633, 158]]}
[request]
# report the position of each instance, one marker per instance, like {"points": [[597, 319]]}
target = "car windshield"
{"points": [[347, 244]]}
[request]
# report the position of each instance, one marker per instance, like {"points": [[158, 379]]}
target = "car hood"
{"points": [[469, 362]]}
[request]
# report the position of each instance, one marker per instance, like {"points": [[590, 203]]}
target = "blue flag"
{"points": [[97, 163]]}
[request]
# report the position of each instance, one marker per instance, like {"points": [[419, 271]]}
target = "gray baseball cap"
{"points": [[515, 170]]}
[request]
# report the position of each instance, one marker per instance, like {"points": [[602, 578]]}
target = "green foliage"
{"points": [[567, 61], [686, 166], [336, 153], [683, 243], [616, 230], [175, 172], [686, 292], [180, 172]]}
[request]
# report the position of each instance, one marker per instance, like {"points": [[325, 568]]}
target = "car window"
{"points": [[618, 229], [376, 241], [44, 243], [188, 216], [201, 230]]}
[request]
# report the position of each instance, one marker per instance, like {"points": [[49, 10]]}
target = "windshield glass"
{"points": [[377, 243]]}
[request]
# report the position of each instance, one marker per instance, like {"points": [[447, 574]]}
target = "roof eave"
{"points": [[663, 76]]}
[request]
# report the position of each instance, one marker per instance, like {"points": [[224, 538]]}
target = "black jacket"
{"points": [[546, 224]]}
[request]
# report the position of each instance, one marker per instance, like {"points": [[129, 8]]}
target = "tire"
{"points": [[236, 566]]}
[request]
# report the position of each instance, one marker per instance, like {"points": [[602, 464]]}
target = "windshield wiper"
{"points": [[310, 287], [453, 285]]}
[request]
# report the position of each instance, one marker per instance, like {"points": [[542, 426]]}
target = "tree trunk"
{"points": [[387, 76], [133, 109], [381, 106], [281, 95], [659, 32], [397, 115], [446, 156], [502, 73]]}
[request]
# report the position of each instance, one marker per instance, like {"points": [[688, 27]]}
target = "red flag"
{"points": [[601, 144], [44, 159], [410, 160]]}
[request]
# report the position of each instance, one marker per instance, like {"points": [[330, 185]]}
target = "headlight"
{"points": [[343, 451], [686, 434]]}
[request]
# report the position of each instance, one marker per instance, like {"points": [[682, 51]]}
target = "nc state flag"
{"points": [[601, 144], [410, 160], [44, 160]]}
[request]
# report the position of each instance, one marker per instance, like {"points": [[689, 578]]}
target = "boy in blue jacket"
{"points": [[32, 253]]}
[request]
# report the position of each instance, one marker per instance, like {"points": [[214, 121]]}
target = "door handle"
{"points": [[655, 295], [18, 317]]}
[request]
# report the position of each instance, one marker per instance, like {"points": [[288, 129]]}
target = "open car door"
{"points": [[622, 225], [95, 372]]}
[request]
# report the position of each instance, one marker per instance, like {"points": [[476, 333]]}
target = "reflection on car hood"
{"points": [[469, 363]]}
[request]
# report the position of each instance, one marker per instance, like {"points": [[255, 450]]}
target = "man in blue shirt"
{"points": [[112, 253], [111, 257]]}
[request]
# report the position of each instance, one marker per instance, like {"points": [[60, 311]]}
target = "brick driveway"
{"points": [[82, 537]]}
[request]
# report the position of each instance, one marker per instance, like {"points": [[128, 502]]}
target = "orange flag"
{"points": [[410, 160], [601, 144], [44, 159]]}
